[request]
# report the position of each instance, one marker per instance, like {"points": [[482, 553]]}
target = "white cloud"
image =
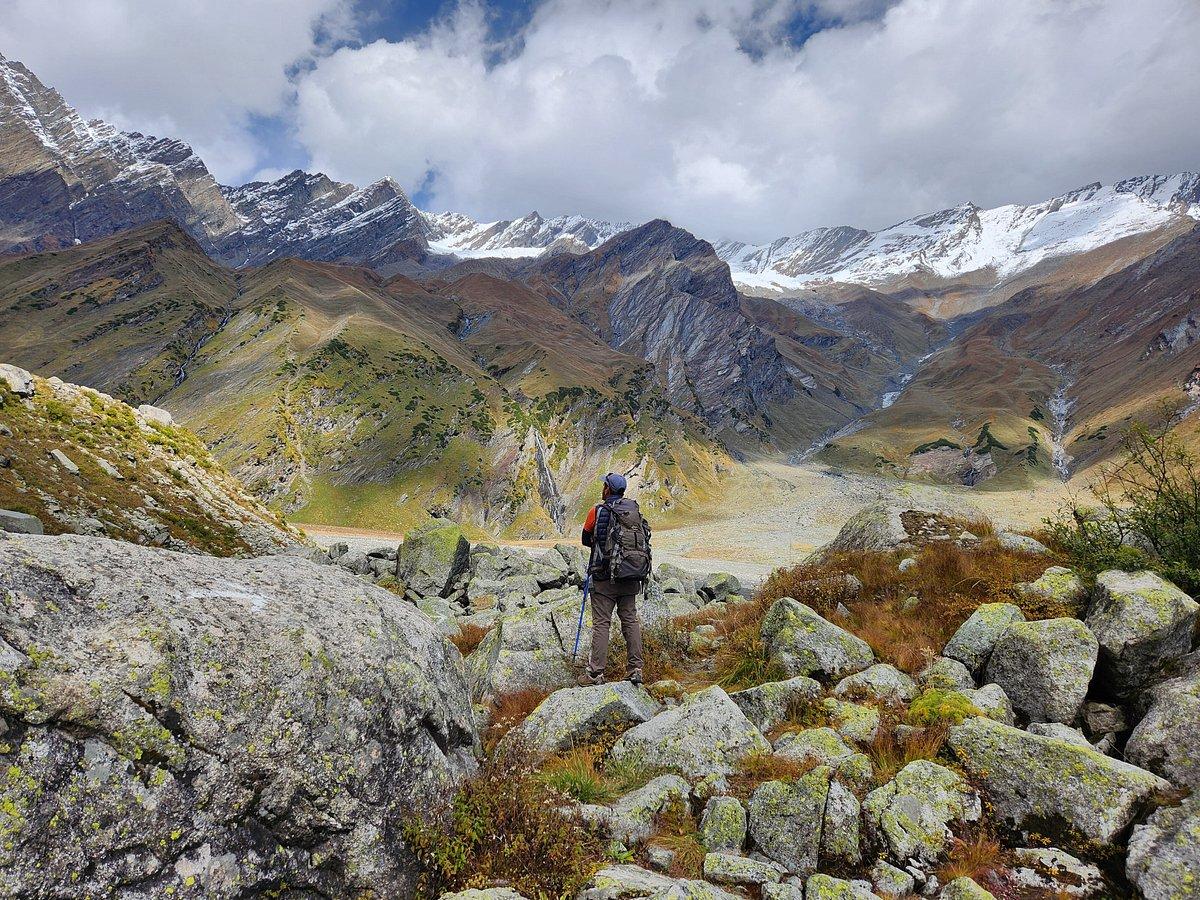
{"points": [[633, 109], [177, 68]]}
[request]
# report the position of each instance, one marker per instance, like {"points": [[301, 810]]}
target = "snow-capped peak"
{"points": [[1005, 240]]}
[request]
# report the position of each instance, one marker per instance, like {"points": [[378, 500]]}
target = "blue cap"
{"points": [[615, 482]]}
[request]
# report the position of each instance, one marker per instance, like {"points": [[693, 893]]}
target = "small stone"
{"points": [[826, 887], [890, 882], [1103, 718], [965, 889], [729, 868], [18, 380], [1057, 590], [63, 460], [879, 682], [631, 817], [908, 563], [1021, 543], [155, 414], [944, 673], [660, 858], [19, 522], [1055, 872]]}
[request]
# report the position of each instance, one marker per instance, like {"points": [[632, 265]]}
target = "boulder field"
{"points": [[175, 724]]}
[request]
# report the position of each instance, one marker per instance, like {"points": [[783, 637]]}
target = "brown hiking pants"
{"points": [[621, 596]]}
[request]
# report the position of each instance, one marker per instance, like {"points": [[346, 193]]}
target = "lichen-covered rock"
{"points": [[1167, 740], [878, 682], [852, 721], [972, 643], [526, 651], [1142, 623], [786, 819], [825, 747], [1020, 543], [730, 868], [1056, 873], [1068, 793], [840, 830], [19, 522], [627, 881], [723, 825], [1045, 667], [944, 673], [826, 887], [720, 586], [768, 705], [1164, 853], [1058, 589], [179, 721], [631, 818], [803, 643], [495, 893], [993, 702], [431, 558], [965, 888], [706, 733], [911, 816], [782, 891], [1060, 731], [875, 527], [890, 882], [573, 716]]}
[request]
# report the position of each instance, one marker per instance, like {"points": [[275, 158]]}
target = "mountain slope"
{"points": [[340, 397], [83, 462]]}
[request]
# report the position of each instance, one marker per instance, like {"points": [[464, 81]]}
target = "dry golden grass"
{"points": [[509, 711], [975, 856], [757, 768], [675, 830], [889, 753], [469, 637]]}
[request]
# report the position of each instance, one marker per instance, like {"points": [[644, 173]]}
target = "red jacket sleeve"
{"points": [[589, 527]]}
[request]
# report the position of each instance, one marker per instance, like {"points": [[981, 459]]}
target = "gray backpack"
{"points": [[627, 544]]}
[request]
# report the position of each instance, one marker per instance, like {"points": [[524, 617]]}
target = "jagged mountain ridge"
{"points": [[63, 179]]}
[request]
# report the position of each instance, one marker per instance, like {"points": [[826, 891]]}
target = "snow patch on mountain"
{"points": [[530, 235], [955, 242]]}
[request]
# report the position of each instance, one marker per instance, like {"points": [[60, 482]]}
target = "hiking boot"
{"points": [[635, 678], [587, 679]]}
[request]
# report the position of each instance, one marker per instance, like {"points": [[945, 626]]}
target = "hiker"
{"points": [[619, 566]]}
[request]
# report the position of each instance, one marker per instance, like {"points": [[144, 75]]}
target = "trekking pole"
{"points": [[587, 584]]}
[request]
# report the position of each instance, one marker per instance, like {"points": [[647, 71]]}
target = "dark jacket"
{"points": [[595, 534]]}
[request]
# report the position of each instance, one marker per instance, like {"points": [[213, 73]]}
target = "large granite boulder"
{"points": [[786, 819], [911, 816], [530, 649], [624, 882], [972, 643], [706, 733], [803, 643], [1167, 741], [888, 524], [17, 380], [574, 716], [1045, 667], [1070, 794], [631, 817], [1142, 623], [181, 722], [1057, 589], [432, 557], [723, 825], [1164, 853], [881, 682]]}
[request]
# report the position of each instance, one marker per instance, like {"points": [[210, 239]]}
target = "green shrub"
{"points": [[940, 707], [503, 826], [1149, 515]]}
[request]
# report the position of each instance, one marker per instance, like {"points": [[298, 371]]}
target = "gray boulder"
{"points": [[786, 820], [1060, 731], [1045, 667], [911, 816], [1020, 543], [803, 643], [769, 705], [965, 888], [495, 893], [574, 716], [1142, 623], [884, 525], [706, 733], [19, 522], [891, 882], [1068, 793], [881, 681], [1167, 741], [432, 557], [185, 720], [733, 869], [631, 818], [946, 674], [826, 887], [1056, 873], [17, 380], [841, 840], [1164, 853], [719, 586], [1057, 589], [624, 882], [972, 643]]}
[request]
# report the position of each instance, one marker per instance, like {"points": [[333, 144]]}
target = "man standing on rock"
{"points": [[620, 564]]}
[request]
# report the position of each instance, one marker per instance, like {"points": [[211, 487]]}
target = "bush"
{"points": [[889, 753], [503, 827], [1150, 512], [940, 707], [675, 830]]}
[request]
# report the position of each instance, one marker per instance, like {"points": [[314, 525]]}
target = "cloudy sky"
{"points": [[734, 118]]}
